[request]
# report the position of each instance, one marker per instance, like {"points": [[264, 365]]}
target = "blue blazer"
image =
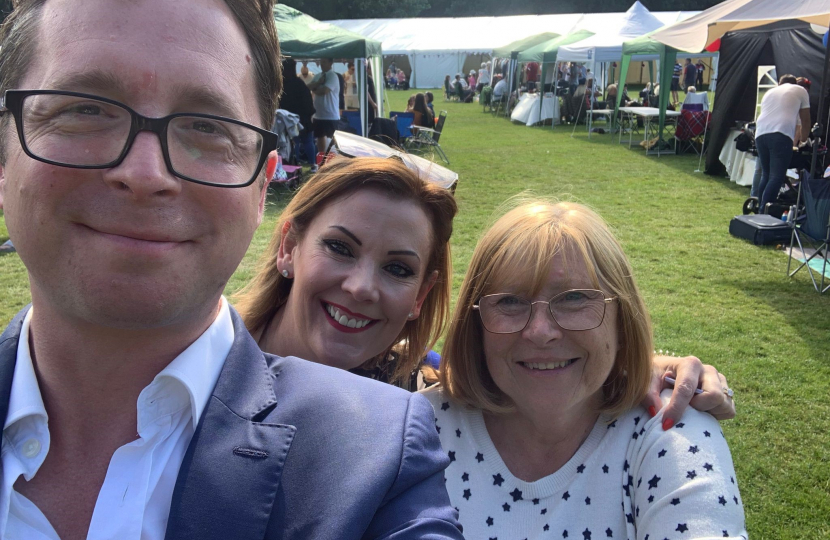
{"points": [[290, 449]]}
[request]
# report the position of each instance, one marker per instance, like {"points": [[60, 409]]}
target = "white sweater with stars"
{"points": [[629, 480]]}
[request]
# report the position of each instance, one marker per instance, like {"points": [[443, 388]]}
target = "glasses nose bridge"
{"points": [[549, 311]]}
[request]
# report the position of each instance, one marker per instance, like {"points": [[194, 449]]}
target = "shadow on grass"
{"points": [[796, 301]]}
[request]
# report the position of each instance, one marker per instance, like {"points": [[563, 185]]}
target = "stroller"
{"points": [[788, 196], [288, 172]]}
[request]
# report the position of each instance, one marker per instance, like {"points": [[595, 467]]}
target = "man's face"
{"points": [[133, 246], [325, 64]]}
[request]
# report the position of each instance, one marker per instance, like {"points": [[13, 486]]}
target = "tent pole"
{"points": [[703, 145], [817, 127]]}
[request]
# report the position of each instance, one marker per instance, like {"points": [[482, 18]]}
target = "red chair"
{"points": [[691, 130]]}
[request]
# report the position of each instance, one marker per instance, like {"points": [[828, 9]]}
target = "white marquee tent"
{"points": [[437, 47]]}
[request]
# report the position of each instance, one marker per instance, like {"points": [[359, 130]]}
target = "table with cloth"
{"points": [[740, 166], [527, 109]]}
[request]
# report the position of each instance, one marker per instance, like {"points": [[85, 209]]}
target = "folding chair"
{"points": [[691, 130], [814, 228], [404, 121], [353, 119], [428, 138], [449, 92]]}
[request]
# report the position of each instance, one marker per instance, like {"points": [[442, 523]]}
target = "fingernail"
{"points": [[667, 424], [652, 411]]}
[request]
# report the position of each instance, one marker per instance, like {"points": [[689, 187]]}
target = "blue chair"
{"points": [[404, 121], [353, 119]]}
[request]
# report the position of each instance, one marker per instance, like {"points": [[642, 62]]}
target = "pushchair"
{"points": [[288, 171]]}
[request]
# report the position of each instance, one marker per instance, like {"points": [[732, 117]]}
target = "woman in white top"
{"points": [[545, 363]]}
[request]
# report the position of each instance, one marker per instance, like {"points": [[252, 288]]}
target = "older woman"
{"points": [[357, 277], [543, 369]]}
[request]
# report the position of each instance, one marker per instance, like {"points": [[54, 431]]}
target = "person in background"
{"points": [[532, 75], [296, 98], [500, 90], [430, 98], [401, 80], [775, 132], [544, 367], [305, 75], [371, 95], [483, 76], [804, 83], [390, 79], [689, 74], [463, 89], [471, 79], [326, 90], [675, 83], [423, 114], [701, 67], [350, 91]]}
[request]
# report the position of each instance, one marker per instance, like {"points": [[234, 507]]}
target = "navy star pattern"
{"points": [[640, 485]]}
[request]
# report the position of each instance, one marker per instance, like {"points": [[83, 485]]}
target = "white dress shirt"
{"points": [[134, 501]]}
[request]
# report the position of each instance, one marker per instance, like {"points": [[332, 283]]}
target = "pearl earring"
{"points": [[411, 315], [285, 273]]}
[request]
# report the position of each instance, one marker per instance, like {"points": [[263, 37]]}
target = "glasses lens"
{"points": [[213, 150], [504, 313], [578, 309], [74, 130]]}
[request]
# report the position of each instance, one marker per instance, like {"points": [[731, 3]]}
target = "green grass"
{"points": [[712, 295]]}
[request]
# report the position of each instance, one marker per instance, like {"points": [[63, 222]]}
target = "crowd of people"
{"points": [[139, 403]]}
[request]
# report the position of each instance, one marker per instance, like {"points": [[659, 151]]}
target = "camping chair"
{"points": [[449, 92], [352, 118], [815, 229], [691, 131], [428, 138], [404, 121]]}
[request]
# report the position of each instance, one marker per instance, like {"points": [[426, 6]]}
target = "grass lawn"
{"points": [[722, 299]]}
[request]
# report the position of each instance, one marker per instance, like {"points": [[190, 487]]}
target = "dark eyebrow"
{"points": [[405, 252], [189, 98], [348, 233]]}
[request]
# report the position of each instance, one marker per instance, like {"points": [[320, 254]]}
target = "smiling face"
{"points": [[358, 272], [133, 246], [546, 368]]}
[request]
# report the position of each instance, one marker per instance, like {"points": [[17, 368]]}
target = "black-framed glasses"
{"points": [[576, 309], [83, 131]]}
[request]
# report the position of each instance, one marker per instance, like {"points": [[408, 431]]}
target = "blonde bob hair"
{"points": [[519, 248], [260, 300]]}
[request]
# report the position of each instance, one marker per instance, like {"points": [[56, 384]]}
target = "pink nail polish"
{"points": [[667, 424], [652, 411]]}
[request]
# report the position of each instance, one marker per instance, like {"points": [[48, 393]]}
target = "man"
{"points": [[305, 75], [775, 130], [500, 90], [164, 418], [677, 70], [296, 98], [689, 74], [701, 67], [326, 92]]}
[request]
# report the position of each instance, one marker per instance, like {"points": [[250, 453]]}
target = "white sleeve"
{"points": [[805, 99], [682, 482], [332, 81]]}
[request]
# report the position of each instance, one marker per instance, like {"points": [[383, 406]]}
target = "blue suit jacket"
{"points": [[290, 449]]}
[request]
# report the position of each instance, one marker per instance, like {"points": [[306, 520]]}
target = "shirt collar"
{"points": [[199, 366], [25, 399]]}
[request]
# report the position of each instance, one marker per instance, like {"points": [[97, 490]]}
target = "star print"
{"points": [[707, 434], [516, 494], [675, 501], [661, 453], [653, 482], [636, 420], [497, 480], [731, 479], [437, 428], [489, 521], [708, 467], [546, 527], [605, 469], [627, 490], [609, 533], [479, 457], [681, 527], [735, 499], [612, 424], [451, 455], [580, 469], [691, 474], [640, 481], [722, 500], [625, 465], [535, 501], [505, 507], [445, 405], [457, 432], [651, 498], [635, 436], [565, 533], [637, 512], [465, 477], [544, 511], [725, 534], [629, 518], [679, 425], [694, 449], [587, 500], [566, 496], [586, 534], [467, 494]]}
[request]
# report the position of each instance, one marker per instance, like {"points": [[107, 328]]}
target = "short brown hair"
{"points": [[521, 244], [260, 300], [18, 38]]}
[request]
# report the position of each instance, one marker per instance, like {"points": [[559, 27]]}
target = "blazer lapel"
{"points": [[8, 359], [229, 477]]}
